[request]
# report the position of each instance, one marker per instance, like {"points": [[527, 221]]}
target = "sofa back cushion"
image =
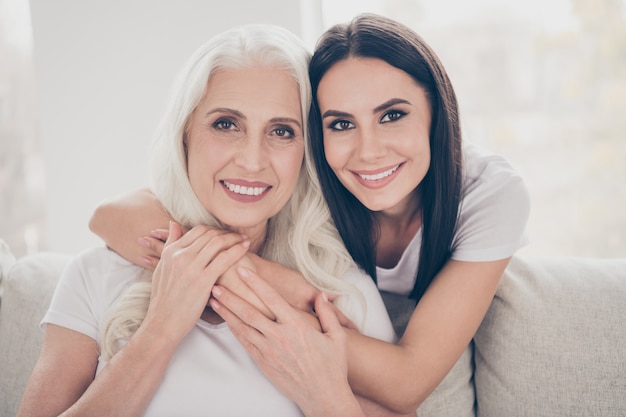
{"points": [[27, 290], [553, 342]]}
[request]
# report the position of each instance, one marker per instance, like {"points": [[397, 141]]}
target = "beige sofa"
{"points": [[552, 344]]}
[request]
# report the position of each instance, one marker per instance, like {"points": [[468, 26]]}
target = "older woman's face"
{"points": [[245, 146]]}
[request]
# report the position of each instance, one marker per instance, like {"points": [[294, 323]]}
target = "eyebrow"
{"points": [[286, 120], [239, 114], [389, 103], [225, 110]]}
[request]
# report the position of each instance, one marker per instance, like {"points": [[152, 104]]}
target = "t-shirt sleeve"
{"points": [[494, 211], [70, 306], [368, 312]]}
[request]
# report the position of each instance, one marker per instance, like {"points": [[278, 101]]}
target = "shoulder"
{"points": [[99, 262], [494, 209], [91, 282], [99, 276], [366, 308], [490, 180]]}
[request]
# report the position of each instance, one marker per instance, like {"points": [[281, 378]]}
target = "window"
{"points": [[21, 166], [542, 83]]}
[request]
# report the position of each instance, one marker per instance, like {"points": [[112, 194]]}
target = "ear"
{"points": [[185, 143]]}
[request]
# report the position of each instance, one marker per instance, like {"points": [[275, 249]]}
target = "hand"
{"points": [[293, 287], [183, 278], [152, 247], [307, 365], [289, 283]]}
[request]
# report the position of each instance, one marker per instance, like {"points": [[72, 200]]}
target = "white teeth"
{"points": [[240, 189], [380, 175]]}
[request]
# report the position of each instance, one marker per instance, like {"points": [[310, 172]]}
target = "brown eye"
{"points": [[340, 125], [224, 124], [392, 116], [284, 132]]}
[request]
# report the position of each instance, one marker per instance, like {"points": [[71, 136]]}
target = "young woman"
{"points": [[228, 162], [433, 221]]}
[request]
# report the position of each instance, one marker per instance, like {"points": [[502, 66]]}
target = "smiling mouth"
{"points": [[380, 175], [243, 190]]}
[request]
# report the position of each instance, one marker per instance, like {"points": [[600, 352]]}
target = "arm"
{"points": [[400, 376], [125, 224], [63, 381], [440, 328]]}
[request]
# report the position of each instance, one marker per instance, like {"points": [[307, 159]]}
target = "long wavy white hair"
{"points": [[301, 236]]}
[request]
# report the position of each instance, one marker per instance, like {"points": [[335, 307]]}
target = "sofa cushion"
{"points": [[553, 342], [28, 288], [6, 262], [455, 396]]}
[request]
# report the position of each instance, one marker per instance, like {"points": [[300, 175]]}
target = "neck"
{"points": [[257, 236], [401, 216], [397, 227]]}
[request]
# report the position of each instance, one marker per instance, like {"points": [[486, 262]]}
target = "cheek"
{"points": [[204, 158], [290, 166], [337, 155]]}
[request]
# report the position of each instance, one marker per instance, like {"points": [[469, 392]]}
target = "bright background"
{"points": [[542, 82]]}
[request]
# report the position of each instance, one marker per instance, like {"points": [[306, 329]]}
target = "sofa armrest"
{"points": [[28, 288], [553, 342]]}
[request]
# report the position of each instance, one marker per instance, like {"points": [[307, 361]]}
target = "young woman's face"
{"points": [[376, 124], [245, 146]]}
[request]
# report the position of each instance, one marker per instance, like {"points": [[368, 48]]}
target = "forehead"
{"points": [[353, 80], [256, 88]]}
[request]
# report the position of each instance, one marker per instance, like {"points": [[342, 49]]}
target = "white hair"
{"points": [[301, 236]]}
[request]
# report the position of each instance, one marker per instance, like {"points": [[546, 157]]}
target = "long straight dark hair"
{"points": [[373, 36]]}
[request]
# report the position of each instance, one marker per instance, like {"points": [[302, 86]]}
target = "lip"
{"points": [[371, 179], [244, 191]]}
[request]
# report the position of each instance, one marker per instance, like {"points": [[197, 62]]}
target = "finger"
{"points": [[212, 266], [326, 314], [149, 262], [245, 312], [154, 246], [198, 232], [248, 336], [343, 319], [160, 234], [274, 302], [175, 233]]}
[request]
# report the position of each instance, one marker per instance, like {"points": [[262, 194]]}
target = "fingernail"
{"points": [[246, 243], [143, 242], [243, 272], [214, 304], [147, 261], [217, 291], [324, 297], [155, 233]]}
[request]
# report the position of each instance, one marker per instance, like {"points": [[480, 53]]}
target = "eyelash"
{"points": [[333, 125], [289, 132], [392, 115], [398, 114], [219, 124]]}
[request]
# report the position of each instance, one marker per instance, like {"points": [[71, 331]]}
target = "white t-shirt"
{"points": [[491, 224], [210, 373]]}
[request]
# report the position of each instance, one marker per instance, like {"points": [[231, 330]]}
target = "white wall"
{"points": [[103, 71]]}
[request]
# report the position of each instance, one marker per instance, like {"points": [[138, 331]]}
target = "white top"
{"points": [[491, 225], [210, 372]]}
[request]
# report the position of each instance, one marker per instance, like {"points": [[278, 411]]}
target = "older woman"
{"points": [[228, 162]]}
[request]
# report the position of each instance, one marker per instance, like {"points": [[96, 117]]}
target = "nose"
{"points": [[370, 145], [252, 155]]}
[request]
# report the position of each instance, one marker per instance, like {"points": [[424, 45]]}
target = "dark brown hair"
{"points": [[372, 36]]}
